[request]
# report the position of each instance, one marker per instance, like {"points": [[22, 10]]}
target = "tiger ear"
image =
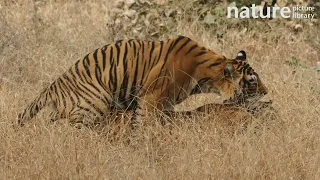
{"points": [[241, 55]]}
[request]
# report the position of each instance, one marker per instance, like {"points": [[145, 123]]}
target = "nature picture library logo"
{"points": [[301, 12]]}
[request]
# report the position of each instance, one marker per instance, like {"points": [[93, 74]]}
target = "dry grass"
{"points": [[38, 42]]}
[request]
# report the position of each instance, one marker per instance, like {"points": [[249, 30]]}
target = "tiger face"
{"points": [[230, 71], [251, 87]]}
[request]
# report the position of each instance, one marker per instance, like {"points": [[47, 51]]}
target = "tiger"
{"points": [[137, 75]]}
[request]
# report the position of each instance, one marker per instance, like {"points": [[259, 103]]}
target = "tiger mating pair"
{"points": [[143, 76]]}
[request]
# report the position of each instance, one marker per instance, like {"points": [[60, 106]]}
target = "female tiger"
{"points": [[138, 75], [251, 90]]}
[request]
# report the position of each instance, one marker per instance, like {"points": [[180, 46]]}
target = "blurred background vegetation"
{"points": [[153, 19], [147, 19]]}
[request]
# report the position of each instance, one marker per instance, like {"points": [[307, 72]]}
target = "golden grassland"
{"points": [[37, 44]]}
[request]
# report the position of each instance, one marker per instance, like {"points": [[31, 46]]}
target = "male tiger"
{"points": [[138, 75]]}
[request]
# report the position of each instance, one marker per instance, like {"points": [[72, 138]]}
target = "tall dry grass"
{"points": [[39, 40]]}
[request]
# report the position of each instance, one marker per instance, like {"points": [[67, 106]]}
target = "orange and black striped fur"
{"points": [[251, 90], [246, 99], [137, 75]]}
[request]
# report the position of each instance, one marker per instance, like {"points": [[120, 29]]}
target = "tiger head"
{"points": [[250, 87], [220, 75]]}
